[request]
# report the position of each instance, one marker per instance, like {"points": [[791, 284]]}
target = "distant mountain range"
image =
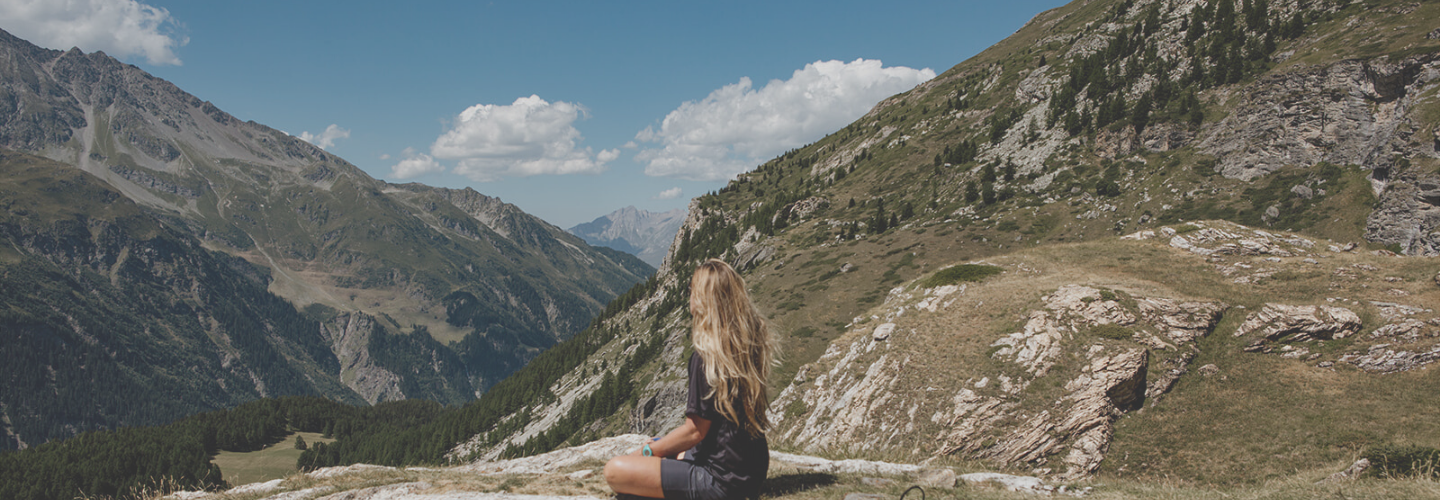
{"points": [[161, 257], [643, 233]]}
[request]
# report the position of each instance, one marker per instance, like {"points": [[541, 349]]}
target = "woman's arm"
{"points": [[684, 437]]}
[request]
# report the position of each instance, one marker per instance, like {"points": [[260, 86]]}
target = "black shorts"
{"points": [[683, 480]]}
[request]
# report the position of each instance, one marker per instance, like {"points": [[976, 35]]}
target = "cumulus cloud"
{"points": [[528, 137], [737, 126], [121, 28], [326, 139], [415, 164], [669, 194]]}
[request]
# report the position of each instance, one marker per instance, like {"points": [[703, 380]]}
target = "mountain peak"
{"points": [[642, 233]]}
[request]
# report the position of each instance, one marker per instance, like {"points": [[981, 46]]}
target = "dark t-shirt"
{"points": [[737, 460]]}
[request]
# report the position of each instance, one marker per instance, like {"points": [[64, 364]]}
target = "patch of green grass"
{"points": [[1408, 461], [274, 462], [963, 272], [1112, 331]]}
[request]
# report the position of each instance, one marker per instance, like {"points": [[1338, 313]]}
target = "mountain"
{"points": [[950, 280], [642, 233], [159, 246]]}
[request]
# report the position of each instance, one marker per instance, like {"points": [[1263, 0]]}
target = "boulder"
{"points": [[1303, 191], [883, 332], [937, 478]]}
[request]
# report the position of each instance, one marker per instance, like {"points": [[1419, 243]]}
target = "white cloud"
{"points": [[529, 137], [669, 194], [737, 127], [121, 28], [385, 156], [414, 165], [325, 139]]}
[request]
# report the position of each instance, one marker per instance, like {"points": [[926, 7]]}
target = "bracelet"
{"points": [[646, 451]]}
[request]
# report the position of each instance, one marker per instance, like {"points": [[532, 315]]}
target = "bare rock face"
{"points": [[1409, 214], [1352, 112], [653, 415], [1344, 113], [349, 336], [1300, 323]]}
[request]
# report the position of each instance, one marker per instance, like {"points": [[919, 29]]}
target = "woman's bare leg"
{"points": [[635, 475]]}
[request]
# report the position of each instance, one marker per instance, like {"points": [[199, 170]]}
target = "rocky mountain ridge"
{"points": [[643, 233]]}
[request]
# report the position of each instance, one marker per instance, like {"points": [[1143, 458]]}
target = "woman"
{"points": [[720, 451]]}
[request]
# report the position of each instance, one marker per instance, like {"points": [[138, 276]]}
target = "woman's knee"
{"points": [[615, 470]]}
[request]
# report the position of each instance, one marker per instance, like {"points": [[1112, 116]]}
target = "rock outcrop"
{"points": [[1381, 359], [857, 397], [1278, 322], [349, 337]]}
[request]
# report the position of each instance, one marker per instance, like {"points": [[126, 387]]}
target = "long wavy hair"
{"points": [[735, 342]]}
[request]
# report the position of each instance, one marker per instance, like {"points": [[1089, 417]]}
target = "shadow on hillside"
{"points": [[795, 483]]}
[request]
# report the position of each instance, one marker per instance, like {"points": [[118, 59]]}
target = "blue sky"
{"points": [[569, 110]]}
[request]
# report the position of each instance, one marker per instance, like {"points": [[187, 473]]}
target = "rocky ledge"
{"points": [[567, 471]]}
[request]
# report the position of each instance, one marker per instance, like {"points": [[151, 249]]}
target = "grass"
{"points": [[274, 462], [963, 272]]}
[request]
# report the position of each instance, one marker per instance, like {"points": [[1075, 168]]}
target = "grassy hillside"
{"points": [[1095, 120]]}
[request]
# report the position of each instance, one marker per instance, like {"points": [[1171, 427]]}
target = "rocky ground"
{"points": [[574, 474]]}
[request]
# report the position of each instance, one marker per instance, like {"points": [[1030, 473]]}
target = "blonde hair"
{"points": [[735, 342]]}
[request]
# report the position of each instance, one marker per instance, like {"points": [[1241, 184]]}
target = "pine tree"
{"points": [[1140, 116]]}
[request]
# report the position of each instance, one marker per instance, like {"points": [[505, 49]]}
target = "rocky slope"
{"points": [[458, 288], [643, 233], [1308, 124]]}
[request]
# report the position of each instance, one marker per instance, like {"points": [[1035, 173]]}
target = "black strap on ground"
{"points": [[913, 488]]}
